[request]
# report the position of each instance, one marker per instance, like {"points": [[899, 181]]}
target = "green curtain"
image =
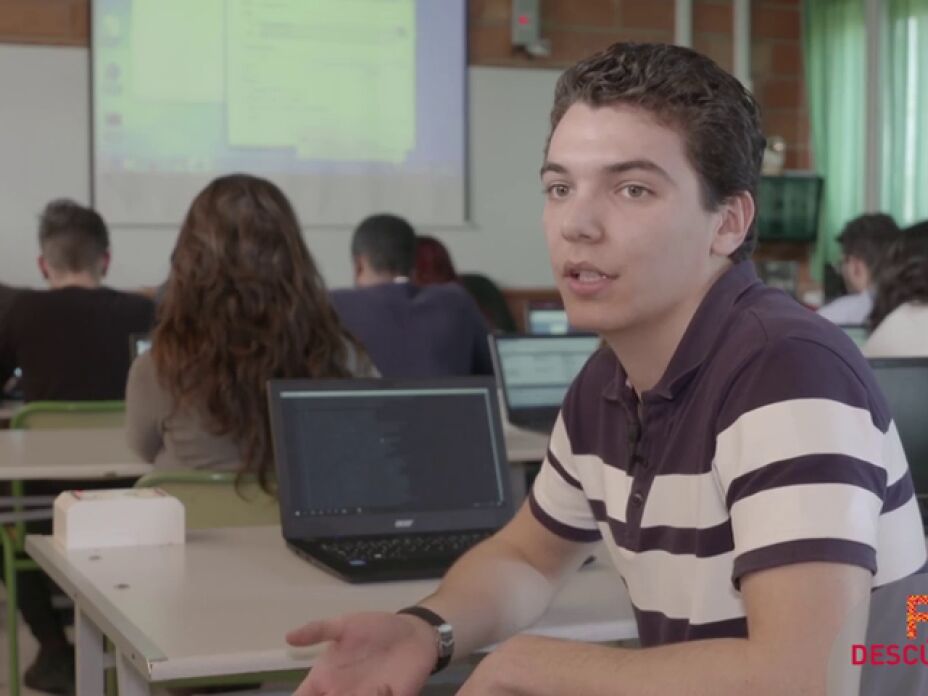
{"points": [[904, 83], [835, 46]]}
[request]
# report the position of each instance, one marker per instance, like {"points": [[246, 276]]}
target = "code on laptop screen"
{"points": [[409, 450]]}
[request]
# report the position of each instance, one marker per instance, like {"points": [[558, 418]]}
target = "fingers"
{"points": [[308, 688], [316, 632]]}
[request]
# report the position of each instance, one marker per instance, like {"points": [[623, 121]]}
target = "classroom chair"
{"points": [[47, 415], [63, 415], [214, 499]]}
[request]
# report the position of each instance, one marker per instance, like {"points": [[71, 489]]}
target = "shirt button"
{"points": [[637, 499]]}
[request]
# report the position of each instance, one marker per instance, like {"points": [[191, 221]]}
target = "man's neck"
{"points": [[380, 279], [645, 351], [73, 280]]}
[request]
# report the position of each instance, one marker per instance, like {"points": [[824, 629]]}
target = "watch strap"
{"points": [[445, 638]]}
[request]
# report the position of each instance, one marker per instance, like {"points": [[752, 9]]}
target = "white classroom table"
{"points": [[221, 604], [8, 409], [103, 452], [67, 454]]}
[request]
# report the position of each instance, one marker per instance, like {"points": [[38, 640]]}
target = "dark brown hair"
{"points": [[717, 116], [72, 237], [869, 238], [244, 303], [903, 275]]}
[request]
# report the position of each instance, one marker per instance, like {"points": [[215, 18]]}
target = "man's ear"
{"points": [[105, 264], [736, 215], [43, 266]]}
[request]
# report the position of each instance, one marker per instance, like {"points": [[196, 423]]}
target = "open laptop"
{"points": [[388, 479], [546, 318], [138, 344], [904, 382], [534, 373]]}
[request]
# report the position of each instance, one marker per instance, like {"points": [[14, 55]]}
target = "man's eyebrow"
{"points": [[552, 167], [644, 164], [614, 168]]}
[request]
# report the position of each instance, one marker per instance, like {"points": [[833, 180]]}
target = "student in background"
{"points": [[244, 303], [864, 242], [409, 331], [731, 450], [7, 294], [433, 262], [72, 343], [900, 310]]}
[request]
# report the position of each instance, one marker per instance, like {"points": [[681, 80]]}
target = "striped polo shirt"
{"points": [[766, 442]]}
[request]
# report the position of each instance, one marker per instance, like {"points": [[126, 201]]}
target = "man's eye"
{"points": [[557, 190]]}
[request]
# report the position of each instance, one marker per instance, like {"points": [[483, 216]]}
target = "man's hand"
{"points": [[371, 654]]}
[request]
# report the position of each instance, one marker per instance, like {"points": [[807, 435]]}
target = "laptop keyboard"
{"points": [[411, 547]]}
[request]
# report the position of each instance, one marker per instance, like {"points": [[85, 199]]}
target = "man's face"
{"points": [[856, 274], [627, 233]]}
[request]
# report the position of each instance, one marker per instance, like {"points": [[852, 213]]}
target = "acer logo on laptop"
{"points": [[403, 524]]}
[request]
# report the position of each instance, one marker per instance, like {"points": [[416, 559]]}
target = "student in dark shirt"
{"points": [[72, 343], [7, 295], [408, 331]]}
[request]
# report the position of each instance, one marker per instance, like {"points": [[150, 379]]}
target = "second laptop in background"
{"points": [[388, 479], [534, 373]]}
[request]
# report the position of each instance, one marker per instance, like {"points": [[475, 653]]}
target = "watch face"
{"points": [[445, 640]]}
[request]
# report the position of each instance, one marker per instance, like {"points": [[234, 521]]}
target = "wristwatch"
{"points": [[444, 631]]}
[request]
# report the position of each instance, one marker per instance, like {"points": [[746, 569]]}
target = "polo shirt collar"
{"points": [[698, 339]]}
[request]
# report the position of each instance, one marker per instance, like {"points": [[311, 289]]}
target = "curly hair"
{"points": [[717, 116], [244, 303], [903, 274]]}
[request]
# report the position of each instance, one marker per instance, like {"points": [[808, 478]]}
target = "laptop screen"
{"points": [[536, 371], [364, 451], [548, 321], [904, 382]]}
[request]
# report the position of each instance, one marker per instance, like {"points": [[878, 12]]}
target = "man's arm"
{"points": [[794, 616], [506, 583], [493, 591]]}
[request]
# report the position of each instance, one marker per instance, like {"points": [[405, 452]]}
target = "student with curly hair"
{"points": [[244, 303]]}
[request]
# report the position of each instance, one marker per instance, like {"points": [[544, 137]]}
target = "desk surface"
{"points": [[524, 445], [100, 453], [222, 603], [67, 454]]}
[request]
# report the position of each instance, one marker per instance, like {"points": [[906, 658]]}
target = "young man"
{"points": [[729, 447], [864, 242], [72, 343], [409, 331]]}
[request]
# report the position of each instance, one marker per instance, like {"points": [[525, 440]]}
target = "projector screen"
{"points": [[350, 106]]}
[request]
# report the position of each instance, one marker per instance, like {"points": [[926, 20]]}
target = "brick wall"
{"points": [[55, 22], [579, 27], [575, 28]]}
